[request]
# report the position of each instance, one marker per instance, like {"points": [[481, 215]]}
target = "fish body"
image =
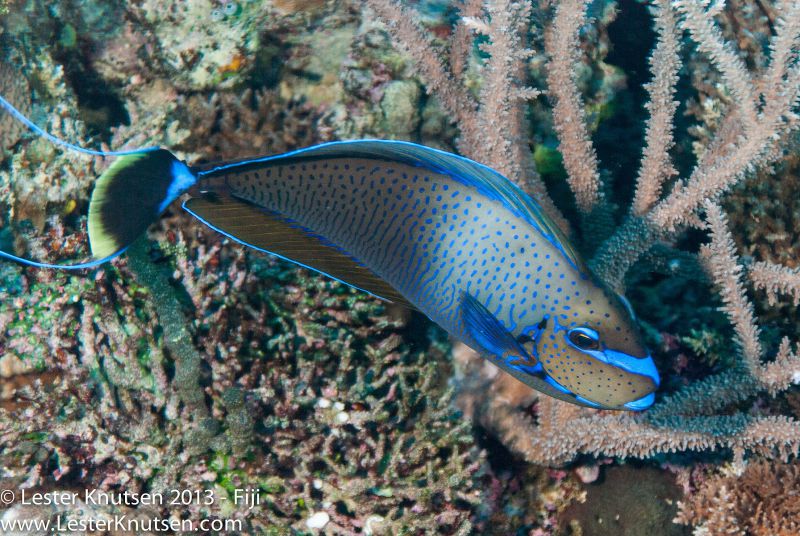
{"points": [[459, 243], [435, 231], [417, 226]]}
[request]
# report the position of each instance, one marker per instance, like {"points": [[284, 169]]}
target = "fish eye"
{"points": [[217, 15], [584, 338]]}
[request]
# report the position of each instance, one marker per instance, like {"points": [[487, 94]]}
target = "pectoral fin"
{"points": [[268, 232], [493, 337]]}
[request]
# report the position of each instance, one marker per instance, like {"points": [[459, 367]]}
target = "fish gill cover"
{"points": [[194, 364]]}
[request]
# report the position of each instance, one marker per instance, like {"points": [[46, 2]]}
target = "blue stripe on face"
{"points": [[635, 365], [643, 366]]}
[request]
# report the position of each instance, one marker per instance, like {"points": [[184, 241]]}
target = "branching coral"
{"points": [[240, 371], [319, 402], [750, 136], [229, 125], [760, 501], [776, 280], [322, 398]]}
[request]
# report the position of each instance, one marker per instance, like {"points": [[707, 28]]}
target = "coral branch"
{"points": [[500, 108], [177, 337], [629, 436], [780, 374], [761, 501], [410, 37], [783, 49], [665, 63], [706, 34], [720, 257], [568, 116], [776, 279], [462, 36]]}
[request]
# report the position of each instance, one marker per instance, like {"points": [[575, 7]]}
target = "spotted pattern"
{"points": [[433, 237], [601, 382]]}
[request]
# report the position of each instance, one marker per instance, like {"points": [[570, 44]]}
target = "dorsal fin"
{"points": [[268, 232], [483, 178]]}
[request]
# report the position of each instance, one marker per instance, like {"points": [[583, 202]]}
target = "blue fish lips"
{"points": [[642, 403]]}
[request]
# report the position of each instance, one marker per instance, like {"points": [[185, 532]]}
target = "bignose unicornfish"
{"points": [[413, 225]]}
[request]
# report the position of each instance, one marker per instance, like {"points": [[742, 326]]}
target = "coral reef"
{"points": [[761, 500], [362, 429], [28, 185], [202, 44], [14, 88], [684, 420], [195, 364]]}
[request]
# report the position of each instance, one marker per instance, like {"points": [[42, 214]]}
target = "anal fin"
{"points": [[268, 232]]}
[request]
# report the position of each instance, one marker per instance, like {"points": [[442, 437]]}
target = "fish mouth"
{"points": [[641, 366], [639, 404], [642, 403]]}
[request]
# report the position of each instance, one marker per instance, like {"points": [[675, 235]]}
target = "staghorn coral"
{"points": [[294, 368], [687, 419], [761, 500], [776, 280], [370, 422]]}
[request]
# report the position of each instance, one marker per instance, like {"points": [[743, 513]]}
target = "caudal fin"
{"points": [[130, 195]]}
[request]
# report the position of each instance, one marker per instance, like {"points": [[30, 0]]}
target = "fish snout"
{"points": [[641, 366]]}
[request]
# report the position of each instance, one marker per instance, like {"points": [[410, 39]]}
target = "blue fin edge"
{"points": [[79, 266], [19, 116], [485, 179], [240, 241]]}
